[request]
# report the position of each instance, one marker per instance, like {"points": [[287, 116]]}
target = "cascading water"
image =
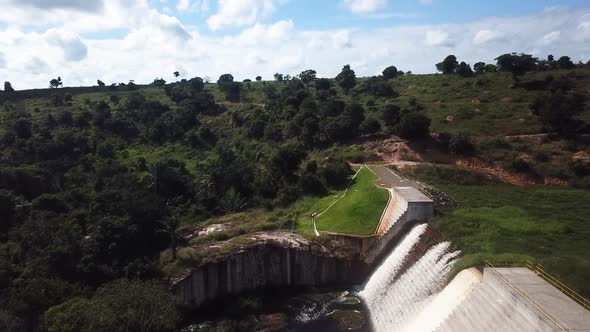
{"points": [[399, 289]]}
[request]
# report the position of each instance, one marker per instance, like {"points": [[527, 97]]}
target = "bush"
{"points": [[460, 145], [414, 125], [336, 173], [370, 126], [521, 166]]}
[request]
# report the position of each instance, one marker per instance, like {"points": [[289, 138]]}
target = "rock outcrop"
{"points": [[275, 259]]}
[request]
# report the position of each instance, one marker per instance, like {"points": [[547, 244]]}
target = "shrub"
{"points": [[460, 144], [414, 125], [336, 173]]}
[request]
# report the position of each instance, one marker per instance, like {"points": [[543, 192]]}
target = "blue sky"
{"points": [[333, 14], [121, 40]]}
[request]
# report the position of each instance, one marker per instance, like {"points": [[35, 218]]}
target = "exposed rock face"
{"points": [[276, 260]]}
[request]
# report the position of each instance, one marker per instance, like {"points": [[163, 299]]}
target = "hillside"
{"points": [[101, 183]]}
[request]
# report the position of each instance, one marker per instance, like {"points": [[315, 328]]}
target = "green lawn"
{"points": [[548, 225], [357, 213]]}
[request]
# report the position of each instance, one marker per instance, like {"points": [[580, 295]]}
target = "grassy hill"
{"points": [[96, 184]]}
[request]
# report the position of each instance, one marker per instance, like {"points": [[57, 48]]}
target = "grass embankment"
{"points": [[358, 212], [498, 222]]}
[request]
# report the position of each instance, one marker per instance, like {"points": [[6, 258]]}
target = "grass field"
{"points": [[548, 225], [357, 213]]}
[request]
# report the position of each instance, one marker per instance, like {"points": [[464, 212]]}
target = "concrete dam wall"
{"points": [[273, 261]]}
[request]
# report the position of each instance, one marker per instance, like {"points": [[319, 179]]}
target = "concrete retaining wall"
{"points": [[407, 207]]}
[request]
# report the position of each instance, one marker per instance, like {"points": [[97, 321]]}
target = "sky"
{"points": [[121, 40]]}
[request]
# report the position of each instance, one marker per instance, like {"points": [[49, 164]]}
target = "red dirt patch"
{"points": [[500, 173]]}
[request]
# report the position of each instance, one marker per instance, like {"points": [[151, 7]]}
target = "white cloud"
{"points": [[551, 37], [36, 66], [156, 45], [583, 30], [183, 5], [438, 38], [485, 36], [74, 49], [93, 5], [239, 13], [341, 39], [259, 34], [364, 6], [2, 60]]}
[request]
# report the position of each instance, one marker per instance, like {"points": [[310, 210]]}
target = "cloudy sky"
{"points": [[122, 40]]}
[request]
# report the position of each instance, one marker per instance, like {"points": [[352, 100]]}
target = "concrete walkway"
{"points": [[388, 178], [549, 298]]}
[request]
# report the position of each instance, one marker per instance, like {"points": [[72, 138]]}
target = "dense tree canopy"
{"points": [[516, 64], [346, 78], [390, 72], [448, 65]]}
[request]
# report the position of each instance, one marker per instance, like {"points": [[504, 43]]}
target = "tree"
{"points": [[55, 82], [414, 125], [258, 78], [100, 83], [464, 70], [565, 62], [490, 68], [22, 128], [159, 82], [390, 72], [169, 225], [391, 115], [479, 67], [8, 87], [460, 144], [346, 79], [322, 84], [448, 65], [370, 126], [225, 81], [307, 76], [557, 111], [516, 64], [278, 77], [122, 305], [176, 74]]}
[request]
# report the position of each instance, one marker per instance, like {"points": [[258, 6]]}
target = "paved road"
{"points": [[388, 178]]}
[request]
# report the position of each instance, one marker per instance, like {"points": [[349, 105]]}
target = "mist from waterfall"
{"points": [[399, 290]]}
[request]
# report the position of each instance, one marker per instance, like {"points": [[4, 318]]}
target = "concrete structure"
{"points": [[516, 299], [406, 207]]}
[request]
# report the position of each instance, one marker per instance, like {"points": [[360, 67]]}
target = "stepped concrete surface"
{"points": [[406, 207], [515, 299]]}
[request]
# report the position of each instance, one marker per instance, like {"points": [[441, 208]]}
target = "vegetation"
{"points": [[504, 223], [96, 183], [355, 210]]}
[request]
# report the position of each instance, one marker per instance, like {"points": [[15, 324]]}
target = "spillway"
{"points": [[407, 281]]}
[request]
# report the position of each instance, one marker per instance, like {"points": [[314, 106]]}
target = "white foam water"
{"points": [[396, 301]]}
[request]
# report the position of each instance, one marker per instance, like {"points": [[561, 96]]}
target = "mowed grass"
{"points": [[356, 213], [547, 225]]}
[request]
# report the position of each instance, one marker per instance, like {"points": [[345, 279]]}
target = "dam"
{"points": [[402, 274]]}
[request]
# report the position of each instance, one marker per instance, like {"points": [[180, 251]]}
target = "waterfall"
{"points": [[403, 286]]}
